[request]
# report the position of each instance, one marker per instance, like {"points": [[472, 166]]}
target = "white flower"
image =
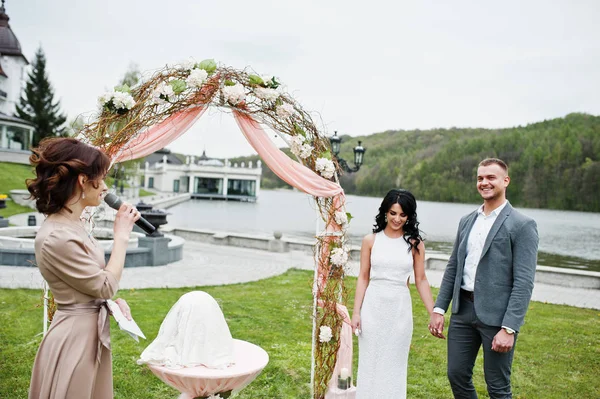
{"points": [[234, 94], [116, 100], [166, 89], [299, 147], [295, 148], [325, 167], [268, 79], [339, 256], [196, 78], [298, 139], [187, 65], [215, 396], [341, 218], [105, 98], [285, 110], [156, 98], [306, 150], [162, 93], [122, 100], [325, 334], [266, 93]]}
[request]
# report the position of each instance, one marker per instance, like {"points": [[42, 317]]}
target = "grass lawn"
{"points": [[144, 193], [12, 177], [558, 352], [13, 209]]}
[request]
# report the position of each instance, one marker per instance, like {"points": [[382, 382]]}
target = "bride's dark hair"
{"points": [[407, 201], [58, 163]]}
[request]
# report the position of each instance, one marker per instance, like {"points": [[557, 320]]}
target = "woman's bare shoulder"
{"points": [[369, 239]]}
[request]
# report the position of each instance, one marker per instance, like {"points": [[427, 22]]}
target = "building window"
{"points": [[185, 183], [14, 138], [241, 187], [175, 186], [151, 182], [206, 185]]}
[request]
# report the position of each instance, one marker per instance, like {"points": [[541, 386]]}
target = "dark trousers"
{"points": [[466, 334]]}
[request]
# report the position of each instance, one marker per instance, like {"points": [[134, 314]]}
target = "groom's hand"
{"points": [[503, 341], [436, 325]]}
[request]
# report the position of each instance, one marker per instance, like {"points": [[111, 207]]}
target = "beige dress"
{"points": [[74, 359]]}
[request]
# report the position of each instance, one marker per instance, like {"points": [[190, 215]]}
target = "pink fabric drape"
{"points": [[160, 135], [292, 172], [331, 228], [287, 169]]}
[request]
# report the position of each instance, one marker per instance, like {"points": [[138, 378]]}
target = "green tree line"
{"points": [[553, 164]]}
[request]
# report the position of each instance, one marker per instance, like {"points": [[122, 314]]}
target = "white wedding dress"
{"points": [[193, 333], [386, 322]]}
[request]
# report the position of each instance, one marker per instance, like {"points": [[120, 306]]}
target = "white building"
{"points": [[202, 177], [16, 134]]}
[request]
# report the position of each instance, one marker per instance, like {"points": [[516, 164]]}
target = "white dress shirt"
{"points": [[477, 236]]}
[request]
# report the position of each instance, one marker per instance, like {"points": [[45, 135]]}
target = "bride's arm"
{"points": [[363, 278], [421, 279]]}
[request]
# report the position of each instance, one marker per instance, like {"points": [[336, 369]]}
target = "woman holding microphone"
{"points": [[74, 358]]}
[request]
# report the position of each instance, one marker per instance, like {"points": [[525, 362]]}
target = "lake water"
{"points": [[567, 239]]}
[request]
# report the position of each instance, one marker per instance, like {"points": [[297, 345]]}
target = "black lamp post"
{"points": [[359, 153], [116, 181]]}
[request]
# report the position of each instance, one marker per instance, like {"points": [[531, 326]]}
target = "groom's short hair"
{"points": [[497, 161]]}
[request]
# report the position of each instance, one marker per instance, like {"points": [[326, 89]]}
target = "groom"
{"points": [[489, 279]]}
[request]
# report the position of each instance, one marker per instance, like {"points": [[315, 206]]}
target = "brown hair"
{"points": [[497, 161], [58, 163]]}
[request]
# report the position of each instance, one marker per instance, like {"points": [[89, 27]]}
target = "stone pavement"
{"points": [[207, 264]]}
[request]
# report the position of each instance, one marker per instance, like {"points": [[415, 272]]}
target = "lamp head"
{"points": [[335, 143], [359, 152]]}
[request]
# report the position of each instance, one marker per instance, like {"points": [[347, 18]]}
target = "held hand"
{"points": [[355, 321], [124, 220], [436, 325], [503, 341], [124, 307]]}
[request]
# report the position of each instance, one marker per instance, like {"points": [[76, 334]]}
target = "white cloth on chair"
{"points": [[193, 333]]}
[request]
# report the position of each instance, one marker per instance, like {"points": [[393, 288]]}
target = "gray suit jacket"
{"points": [[506, 270]]}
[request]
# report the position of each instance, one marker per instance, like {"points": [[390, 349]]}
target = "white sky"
{"points": [[363, 66]]}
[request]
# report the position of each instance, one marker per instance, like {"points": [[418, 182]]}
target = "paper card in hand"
{"points": [[129, 326]]}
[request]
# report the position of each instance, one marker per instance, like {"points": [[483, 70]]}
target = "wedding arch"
{"points": [[135, 122]]}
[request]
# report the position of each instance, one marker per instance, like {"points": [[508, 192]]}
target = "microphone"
{"points": [[115, 203]]}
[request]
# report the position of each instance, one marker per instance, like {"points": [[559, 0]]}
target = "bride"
{"points": [[382, 314]]}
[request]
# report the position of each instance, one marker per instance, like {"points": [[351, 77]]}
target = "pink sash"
{"points": [[96, 306]]}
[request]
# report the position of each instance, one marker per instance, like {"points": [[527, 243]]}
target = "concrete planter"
{"points": [[21, 197], [16, 250]]}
